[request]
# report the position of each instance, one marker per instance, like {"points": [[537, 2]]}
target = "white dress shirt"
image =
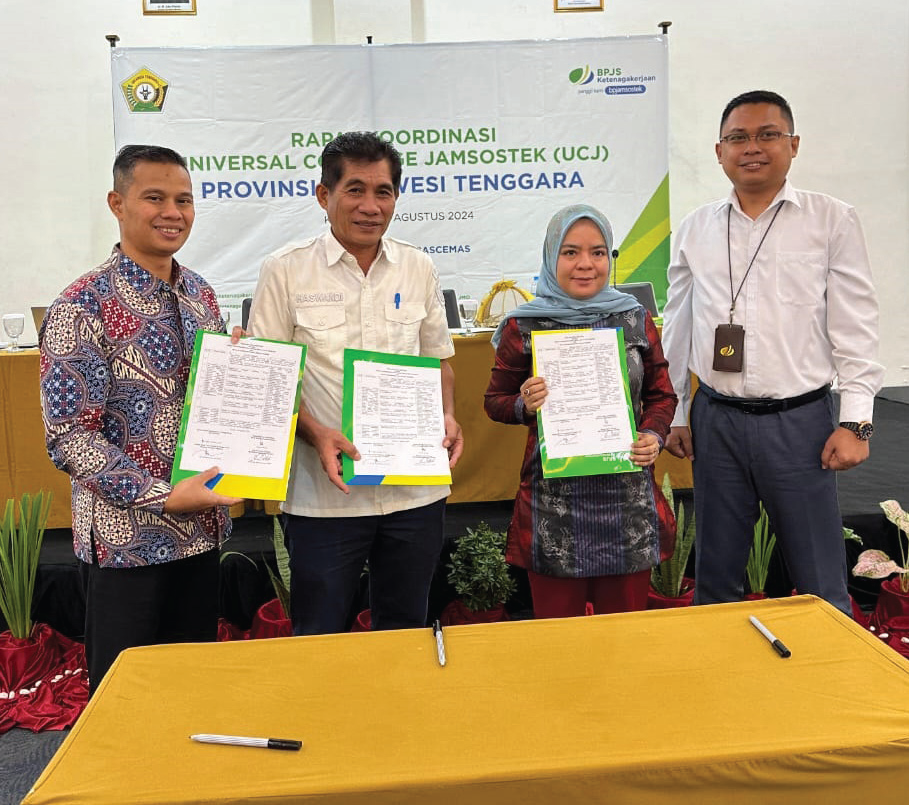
{"points": [[808, 305], [316, 294]]}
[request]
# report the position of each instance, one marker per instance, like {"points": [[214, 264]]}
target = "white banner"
{"points": [[495, 138]]}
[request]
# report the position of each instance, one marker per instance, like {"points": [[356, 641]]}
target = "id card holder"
{"points": [[728, 348]]}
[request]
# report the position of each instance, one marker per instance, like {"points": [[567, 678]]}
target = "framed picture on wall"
{"points": [[577, 5], [172, 7]]}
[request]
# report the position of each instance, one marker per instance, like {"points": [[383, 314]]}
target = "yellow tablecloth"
{"points": [[24, 465], [674, 706], [488, 470], [490, 466]]}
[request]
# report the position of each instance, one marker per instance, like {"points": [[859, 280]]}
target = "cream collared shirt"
{"points": [[808, 305], [315, 293]]}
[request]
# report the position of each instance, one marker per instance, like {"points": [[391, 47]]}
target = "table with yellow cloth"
{"points": [[24, 465], [669, 706], [488, 470]]}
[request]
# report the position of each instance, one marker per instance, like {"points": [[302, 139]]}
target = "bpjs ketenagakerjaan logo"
{"points": [[616, 80], [584, 75], [144, 91]]}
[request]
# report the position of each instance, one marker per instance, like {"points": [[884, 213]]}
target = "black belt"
{"points": [[764, 405]]}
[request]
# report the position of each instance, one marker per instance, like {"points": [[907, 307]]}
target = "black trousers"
{"points": [[744, 459], [327, 555], [174, 602]]}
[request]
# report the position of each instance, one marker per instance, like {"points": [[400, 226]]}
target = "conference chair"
{"points": [[451, 308]]}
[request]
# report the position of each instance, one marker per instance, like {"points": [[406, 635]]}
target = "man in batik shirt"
{"points": [[115, 354]]}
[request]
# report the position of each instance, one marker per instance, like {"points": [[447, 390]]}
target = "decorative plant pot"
{"points": [[891, 602], [897, 631], [857, 615], [755, 596], [270, 621], [456, 614], [43, 681], [363, 622], [657, 600], [227, 631]]}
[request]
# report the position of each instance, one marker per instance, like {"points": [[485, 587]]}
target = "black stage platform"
{"points": [[58, 597]]}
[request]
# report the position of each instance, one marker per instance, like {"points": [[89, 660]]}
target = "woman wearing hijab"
{"points": [[590, 538]]}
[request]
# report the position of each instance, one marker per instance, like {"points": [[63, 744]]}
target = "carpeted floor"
{"points": [[23, 756]]}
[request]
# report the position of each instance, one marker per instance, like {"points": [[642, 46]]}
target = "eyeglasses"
{"points": [[764, 137]]}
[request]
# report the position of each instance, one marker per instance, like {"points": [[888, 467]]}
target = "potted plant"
{"points": [[42, 679], [480, 576], [893, 600], [669, 586], [20, 548], [270, 619], [759, 558]]}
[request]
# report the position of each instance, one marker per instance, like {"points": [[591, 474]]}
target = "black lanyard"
{"points": [[734, 296]]}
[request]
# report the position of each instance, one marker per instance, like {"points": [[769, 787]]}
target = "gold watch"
{"points": [[862, 430]]}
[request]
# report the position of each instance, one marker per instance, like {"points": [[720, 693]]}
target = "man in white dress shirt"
{"points": [[770, 301], [354, 287]]}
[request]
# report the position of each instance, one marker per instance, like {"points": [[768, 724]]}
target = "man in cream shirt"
{"points": [[354, 287], [770, 301]]}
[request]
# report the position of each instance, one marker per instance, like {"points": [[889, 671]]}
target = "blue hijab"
{"points": [[551, 301]]}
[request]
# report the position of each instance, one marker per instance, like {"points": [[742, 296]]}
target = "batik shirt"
{"points": [[115, 353]]}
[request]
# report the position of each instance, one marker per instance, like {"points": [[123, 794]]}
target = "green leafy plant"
{"points": [[874, 564], [227, 554], [666, 577], [761, 550], [478, 570], [848, 533], [280, 580], [20, 549]]}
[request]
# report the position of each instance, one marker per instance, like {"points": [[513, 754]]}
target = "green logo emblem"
{"points": [[581, 75], [144, 91]]}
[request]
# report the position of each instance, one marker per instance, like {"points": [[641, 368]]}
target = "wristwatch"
{"points": [[862, 430]]}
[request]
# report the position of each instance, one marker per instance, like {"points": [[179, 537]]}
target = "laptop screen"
{"points": [[643, 292]]}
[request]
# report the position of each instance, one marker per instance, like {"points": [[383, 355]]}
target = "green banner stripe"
{"points": [[653, 269], [654, 213], [644, 254]]}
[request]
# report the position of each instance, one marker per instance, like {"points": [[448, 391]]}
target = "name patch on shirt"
{"points": [[321, 298]]}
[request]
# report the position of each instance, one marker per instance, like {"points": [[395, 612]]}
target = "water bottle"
{"points": [[533, 284]]}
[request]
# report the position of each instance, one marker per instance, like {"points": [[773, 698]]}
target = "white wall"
{"points": [[842, 64]]}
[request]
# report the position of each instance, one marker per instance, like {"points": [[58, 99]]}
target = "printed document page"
{"points": [[243, 407], [587, 411]]}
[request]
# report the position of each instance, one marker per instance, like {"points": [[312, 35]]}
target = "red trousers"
{"points": [[564, 598]]}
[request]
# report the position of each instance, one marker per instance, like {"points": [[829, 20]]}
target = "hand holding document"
{"points": [[392, 411], [240, 414], [586, 425]]}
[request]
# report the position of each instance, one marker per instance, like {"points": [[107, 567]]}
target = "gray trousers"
{"points": [[743, 459]]}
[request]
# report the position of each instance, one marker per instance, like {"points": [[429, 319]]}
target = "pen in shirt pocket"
{"points": [[397, 301]]}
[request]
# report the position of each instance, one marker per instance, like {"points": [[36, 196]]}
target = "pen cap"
{"points": [[284, 743]]}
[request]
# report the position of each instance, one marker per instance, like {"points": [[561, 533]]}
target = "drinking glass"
{"points": [[13, 325], [468, 306]]}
